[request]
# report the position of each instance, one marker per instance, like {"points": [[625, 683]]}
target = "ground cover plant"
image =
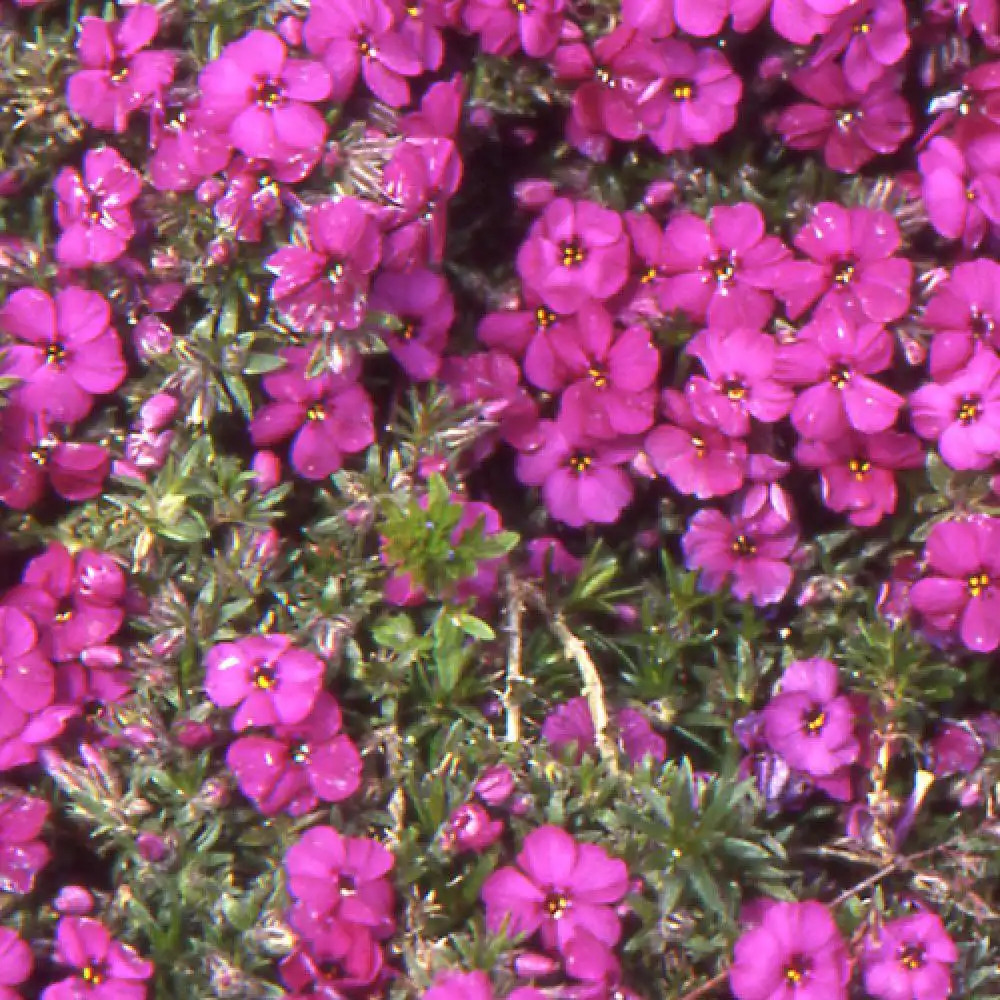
{"points": [[498, 499]]}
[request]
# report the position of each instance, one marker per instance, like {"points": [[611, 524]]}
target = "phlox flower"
{"points": [[262, 98], [799, 21], [504, 27], [795, 953], [16, 963], [333, 957], [961, 187], [961, 589], [251, 200], [856, 471], [22, 854], [187, 146], [117, 76], [576, 251], [962, 413], [470, 828], [108, 970], [581, 477], [94, 210], [300, 764], [265, 678], [362, 36], [560, 887], [697, 458], [749, 553], [65, 351], [852, 263], [835, 358], [321, 285], [809, 723], [638, 739], [908, 959], [851, 127], [739, 380], [963, 311], [570, 725], [721, 270]]}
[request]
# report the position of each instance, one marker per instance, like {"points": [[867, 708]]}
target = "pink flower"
{"points": [[251, 200], [702, 93], [698, 459], [300, 765], [345, 877], [117, 77], [799, 21], [964, 311], [750, 553], [321, 285], [270, 680], [67, 351], [108, 970], [574, 252], [22, 854], [722, 270], [962, 414], [638, 739], [856, 471], [852, 264], [93, 210], [795, 953], [835, 359], [851, 127], [504, 27], [470, 828], [363, 36], [739, 381], [15, 963], [581, 477], [264, 98], [961, 188], [570, 725], [908, 958], [962, 589], [329, 415], [560, 887], [187, 147]]}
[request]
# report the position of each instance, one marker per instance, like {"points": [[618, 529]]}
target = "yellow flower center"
{"points": [[860, 467], [572, 254], [978, 582], [969, 409]]}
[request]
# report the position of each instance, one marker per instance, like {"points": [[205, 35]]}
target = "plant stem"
{"points": [[515, 648]]}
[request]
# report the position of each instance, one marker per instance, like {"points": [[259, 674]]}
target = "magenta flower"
{"points": [[570, 725], [581, 477], [698, 459], [559, 888], [739, 380], [94, 210], [32, 455], [16, 963], [321, 285], [799, 21], [300, 764], [65, 351], [504, 27], [703, 93], [22, 854], [108, 970], [851, 127], [251, 200], [835, 359], [796, 953], [871, 37], [423, 304], [461, 986], [961, 590], [342, 876], [117, 76], [751, 554], [329, 415], [809, 723], [470, 828], [908, 958], [856, 471], [852, 265], [638, 739], [187, 147], [27, 679], [263, 98], [962, 414], [363, 36], [574, 252], [963, 312], [270, 680], [961, 188]]}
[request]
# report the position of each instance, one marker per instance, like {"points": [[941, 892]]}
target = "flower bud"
{"points": [[73, 900], [266, 467], [192, 735], [495, 785], [152, 847], [158, 411]]}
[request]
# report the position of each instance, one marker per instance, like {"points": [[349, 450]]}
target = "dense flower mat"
{"points": [[497, 499]]}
